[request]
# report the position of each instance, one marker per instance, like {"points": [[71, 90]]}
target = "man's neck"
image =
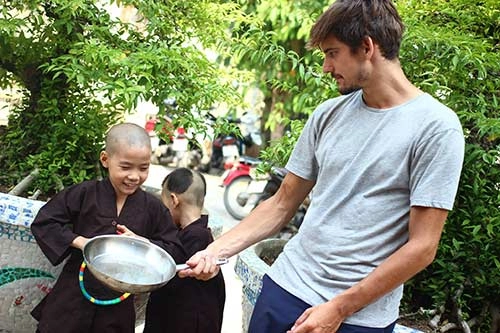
{"points": [[389, 87]]}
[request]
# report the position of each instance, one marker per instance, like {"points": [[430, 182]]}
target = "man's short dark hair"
{"points": [[350, 21]]}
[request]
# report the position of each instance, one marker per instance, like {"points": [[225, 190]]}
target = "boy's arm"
{"points": [[53, 231]]}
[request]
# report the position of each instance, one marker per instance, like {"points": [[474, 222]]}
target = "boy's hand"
{"points": [[79, 242], [124, 231], [203, 266]]}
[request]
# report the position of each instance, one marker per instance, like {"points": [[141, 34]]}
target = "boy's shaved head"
{"points": [[129, 134], [188, 184]]}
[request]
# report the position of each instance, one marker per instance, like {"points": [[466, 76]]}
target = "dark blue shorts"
{"points": [[277, 310]]}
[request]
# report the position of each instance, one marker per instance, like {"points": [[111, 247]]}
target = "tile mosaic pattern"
{"points": [[215, 223], [250, 268], [404, 329], [18, 210], [11, 274], [16, 232], [26, 276]]}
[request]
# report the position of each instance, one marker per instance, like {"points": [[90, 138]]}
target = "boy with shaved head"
{"points": [[187, 305], [80, 212]]}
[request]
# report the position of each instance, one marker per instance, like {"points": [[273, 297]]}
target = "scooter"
{"points": [[225, 152], [176, 152], [180, 148], [228, 147], [183, 149], [245, 191], [243, 188]]}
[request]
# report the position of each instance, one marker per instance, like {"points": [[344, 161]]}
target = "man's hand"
{"points": [[323, 318], [203, 266]]}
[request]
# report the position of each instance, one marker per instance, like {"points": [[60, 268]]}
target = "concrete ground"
{"points": [[232, 321]]}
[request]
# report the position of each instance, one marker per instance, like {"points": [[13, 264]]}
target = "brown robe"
{"points": [[89, 209], [188, 305]]}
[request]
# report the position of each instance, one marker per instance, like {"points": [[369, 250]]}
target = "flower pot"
{"points": [[251, 267]]}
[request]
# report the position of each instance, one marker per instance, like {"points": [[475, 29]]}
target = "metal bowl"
{"points": [[128, 264]]}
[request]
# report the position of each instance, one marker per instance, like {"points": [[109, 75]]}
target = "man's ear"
{"points": [[104, 158], [368, 46]]}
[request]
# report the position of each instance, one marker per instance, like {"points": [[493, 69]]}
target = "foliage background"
{"points": [[79, 69], [452, 52]]}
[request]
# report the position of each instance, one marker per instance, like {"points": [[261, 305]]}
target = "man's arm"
{"points": [[425, 228], [265, 220]]}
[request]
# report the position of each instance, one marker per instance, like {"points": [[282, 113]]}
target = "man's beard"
{"points": [[348, 90], [362, 77]]}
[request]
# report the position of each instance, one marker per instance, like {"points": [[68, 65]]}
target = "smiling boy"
{"points": [[116, 204]]}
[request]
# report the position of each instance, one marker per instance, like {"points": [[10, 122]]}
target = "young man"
{"points": [[384, 160], [116, 204]]}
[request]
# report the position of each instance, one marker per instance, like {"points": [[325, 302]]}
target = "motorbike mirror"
{"points": [[170, 102]]}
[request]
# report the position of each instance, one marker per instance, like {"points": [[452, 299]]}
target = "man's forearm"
{"points": [[264, 221], [402, 265]]}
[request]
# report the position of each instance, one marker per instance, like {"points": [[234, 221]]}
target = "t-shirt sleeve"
{"points": [[436, 169], [302, 161]]}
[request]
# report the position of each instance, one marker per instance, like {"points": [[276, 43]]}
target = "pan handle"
{"points": [[219, 261]]}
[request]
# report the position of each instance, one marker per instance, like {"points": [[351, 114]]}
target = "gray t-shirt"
{"points": [[370, 167]]}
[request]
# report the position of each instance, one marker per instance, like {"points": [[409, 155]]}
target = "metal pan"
{"points": [[129, 264]]}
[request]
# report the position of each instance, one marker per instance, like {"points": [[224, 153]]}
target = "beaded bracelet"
{"points": [[94, 300]]}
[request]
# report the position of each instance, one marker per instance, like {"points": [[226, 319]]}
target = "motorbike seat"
{"points": [[280, 172], [252, 161]]}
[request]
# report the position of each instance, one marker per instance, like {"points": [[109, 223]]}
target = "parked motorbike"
{"points": [[239, 197], [184, 149], [225, 151], [244, 191], [228, 147], [175, 152]]}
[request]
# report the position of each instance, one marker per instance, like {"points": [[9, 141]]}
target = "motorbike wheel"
{"points": [[204, 167], [182, 160], [236, 198]]}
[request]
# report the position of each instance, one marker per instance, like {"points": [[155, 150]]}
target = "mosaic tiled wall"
{"points": [[26, 276]]}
